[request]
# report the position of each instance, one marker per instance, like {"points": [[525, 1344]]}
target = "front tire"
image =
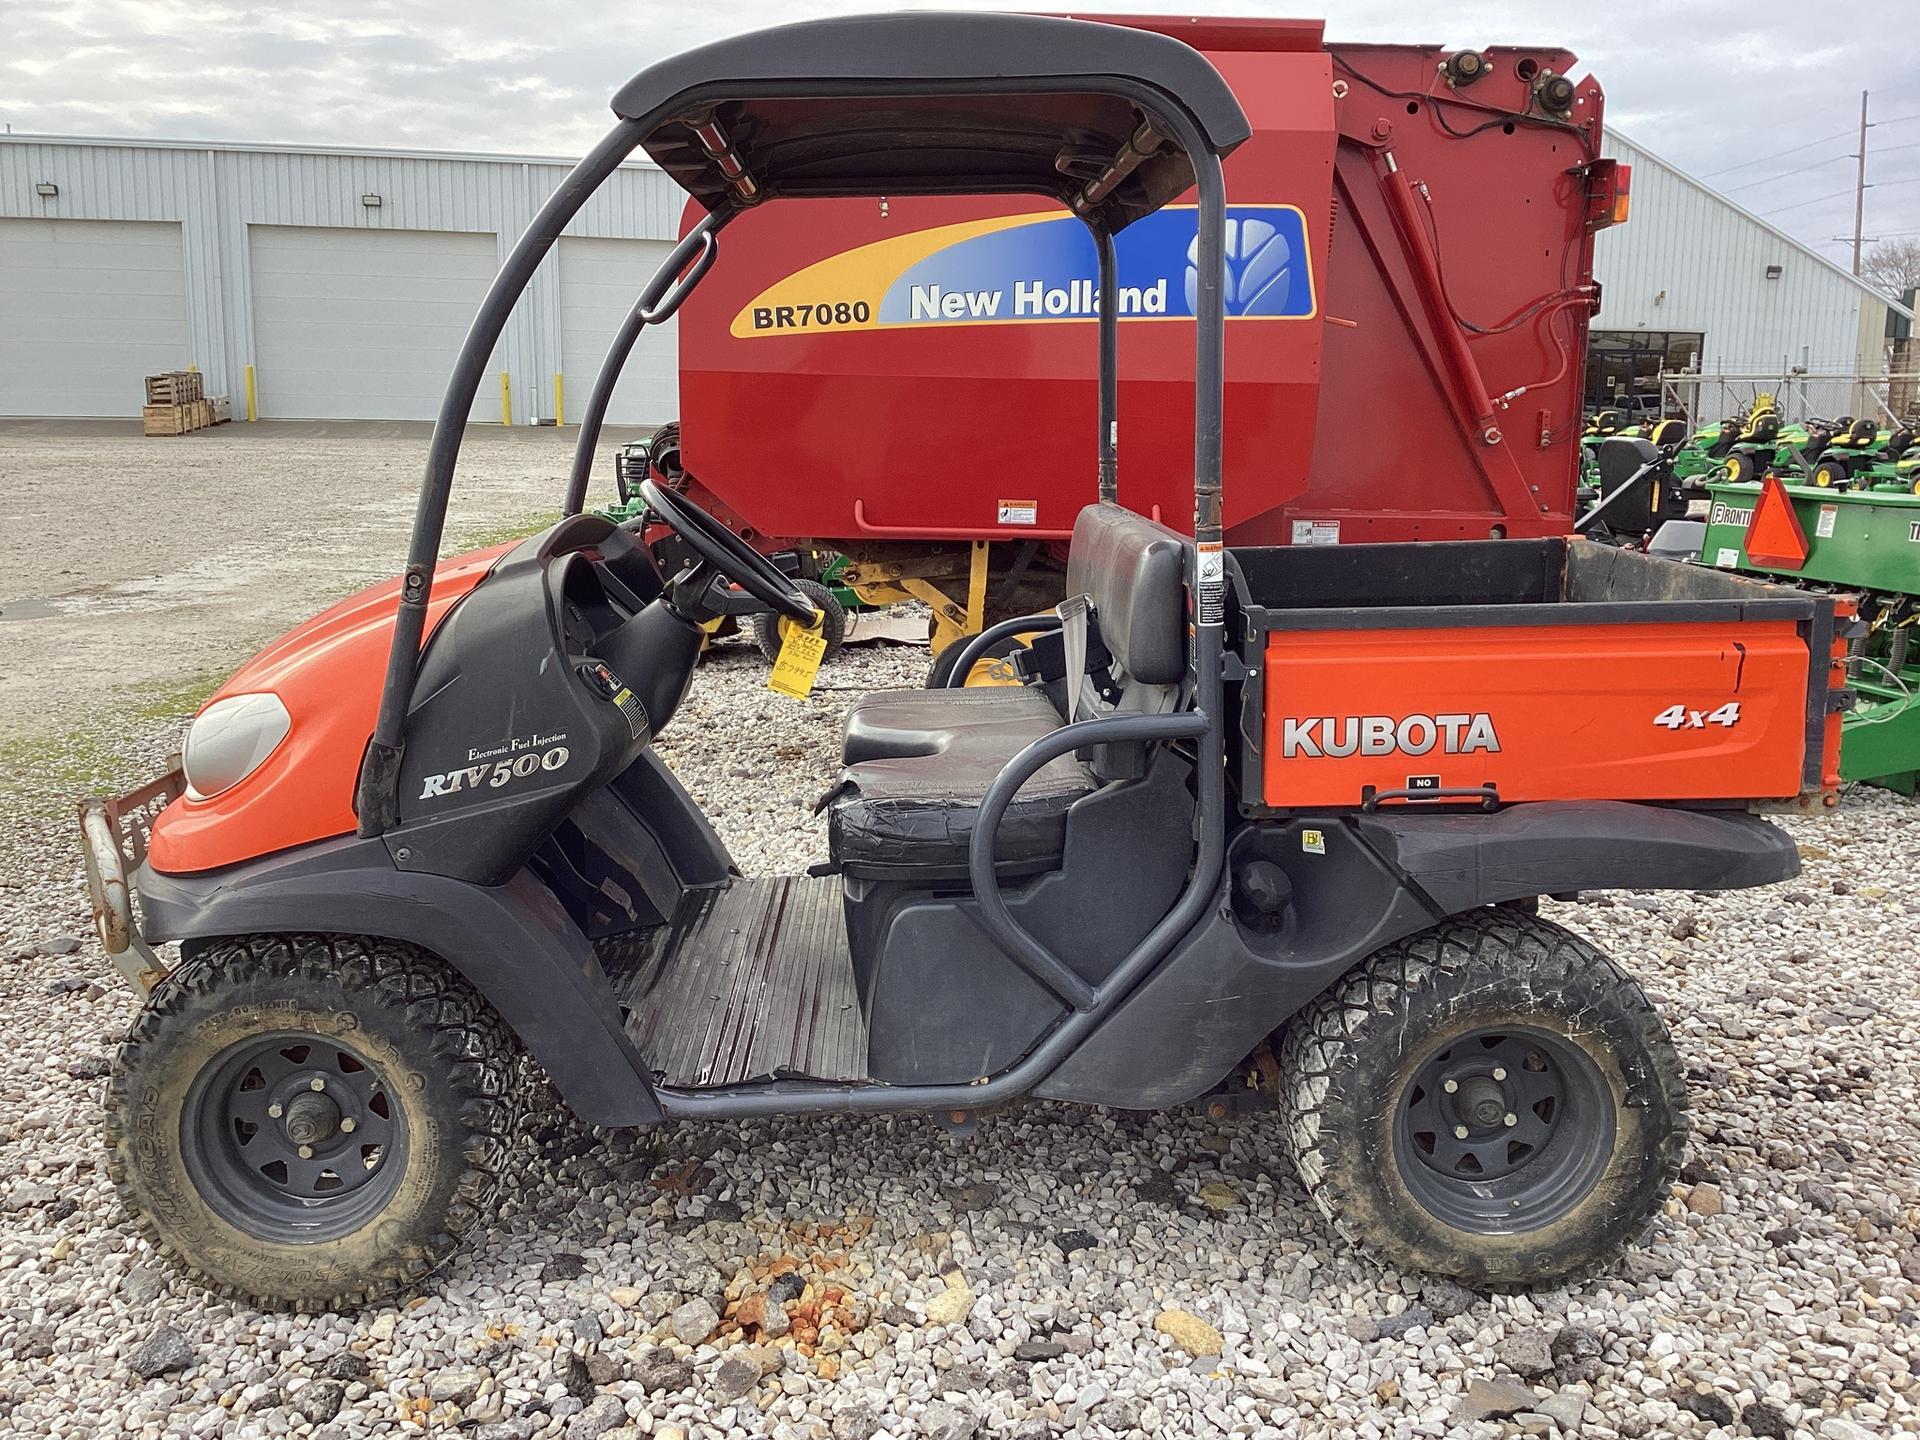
{"points": [[311, 1122], [1492, 1099]]}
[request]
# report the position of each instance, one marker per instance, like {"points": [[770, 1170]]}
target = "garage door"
{"points": [[87, 308], [599, 281], [364, 324]]}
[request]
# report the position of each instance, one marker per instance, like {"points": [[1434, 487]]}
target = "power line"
{"points": [[1796, 149], [1833, 195], [1769, 179], [1778, 154], [1836, 194]]}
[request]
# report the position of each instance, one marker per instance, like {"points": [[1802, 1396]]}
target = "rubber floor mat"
{"points": [[752, 982]]}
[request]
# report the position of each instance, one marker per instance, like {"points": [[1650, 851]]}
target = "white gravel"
{"points": [[1053, 1240]]}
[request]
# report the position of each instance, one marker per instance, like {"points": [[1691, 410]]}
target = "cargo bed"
{"points": [[1488, 672]]}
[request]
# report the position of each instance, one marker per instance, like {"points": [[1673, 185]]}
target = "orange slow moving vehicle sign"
{"points": [[1667, 711]]}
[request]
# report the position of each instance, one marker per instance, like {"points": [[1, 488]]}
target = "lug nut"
{"points": [[348, 1125], [1451, 1086], [306, 1152], [1512, 1120], [1459, 1132], [274, 1112], [1499, 1072], [319, 1083]]}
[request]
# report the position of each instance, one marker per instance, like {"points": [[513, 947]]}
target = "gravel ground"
{"points": [[1063, 1272], [237, 532]]}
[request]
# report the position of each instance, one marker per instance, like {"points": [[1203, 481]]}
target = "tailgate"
{"points": [[1643, 680]]}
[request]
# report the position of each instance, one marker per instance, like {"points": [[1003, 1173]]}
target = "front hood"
{"points": [[327, 672]]}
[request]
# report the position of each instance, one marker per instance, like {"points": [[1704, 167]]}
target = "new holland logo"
{"points": [[1038, 268], [1318, 736], [1259, 269]]}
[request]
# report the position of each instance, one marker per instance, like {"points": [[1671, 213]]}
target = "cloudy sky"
{"points": [[1758, 97]]}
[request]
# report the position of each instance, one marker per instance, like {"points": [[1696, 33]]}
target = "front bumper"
{"points": [[113, 840]]}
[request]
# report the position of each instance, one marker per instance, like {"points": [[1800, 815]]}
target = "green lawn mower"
{"points": [[1756, 449], [1704, 455], [1866, 457]]}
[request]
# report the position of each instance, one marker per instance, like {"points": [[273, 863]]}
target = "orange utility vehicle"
{"points": [[429, 831]]}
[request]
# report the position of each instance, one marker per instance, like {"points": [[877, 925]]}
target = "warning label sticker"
{"points": [[1829, 517], [1212, 568], [1019, 512], [1316, 532]]}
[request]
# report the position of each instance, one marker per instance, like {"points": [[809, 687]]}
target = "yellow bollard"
{"points": [[253, 410], [506, 400], [559, 399]]}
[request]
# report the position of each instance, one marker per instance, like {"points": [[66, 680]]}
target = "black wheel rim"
{"points": [[1504, 1129], [293, 1137]]}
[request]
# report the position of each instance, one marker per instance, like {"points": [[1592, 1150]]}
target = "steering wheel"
{"points": [[729, 554]]}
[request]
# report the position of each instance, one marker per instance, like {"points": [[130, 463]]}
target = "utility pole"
{"points": [[1860, 185]]}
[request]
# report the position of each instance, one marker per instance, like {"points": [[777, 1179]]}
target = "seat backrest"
{"points": [[1135, 572], [1620, 456]]}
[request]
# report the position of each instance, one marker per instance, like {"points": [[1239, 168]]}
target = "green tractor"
{"points": [[1602, 426], [1866, 457], [1706, 449], [1755, 449]]}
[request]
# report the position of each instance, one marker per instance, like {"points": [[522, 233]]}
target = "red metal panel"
{"points": [[1370, 414]]}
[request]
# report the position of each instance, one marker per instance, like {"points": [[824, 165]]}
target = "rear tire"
{"points": [[1567, 1156], [770, 630], [358, 1186]]}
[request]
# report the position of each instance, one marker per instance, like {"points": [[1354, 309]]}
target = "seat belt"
{"points": [[1073, 612]]}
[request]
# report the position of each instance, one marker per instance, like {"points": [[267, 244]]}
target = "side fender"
{"points": [[1461, 861], [513, 942], [1363, 881]]}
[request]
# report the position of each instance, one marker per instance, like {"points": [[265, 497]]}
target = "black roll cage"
{"points": [[1102, 201]]}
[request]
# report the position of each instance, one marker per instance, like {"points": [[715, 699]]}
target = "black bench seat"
{"points": [[919, 762]]}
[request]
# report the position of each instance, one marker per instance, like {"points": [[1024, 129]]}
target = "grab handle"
{"points": [[1033, 957]]}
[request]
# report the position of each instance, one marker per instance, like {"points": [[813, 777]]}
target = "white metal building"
{"points": [[1694, 279], [345, 279]]}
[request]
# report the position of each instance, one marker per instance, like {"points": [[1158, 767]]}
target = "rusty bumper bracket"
{"points": [[113, 840]]}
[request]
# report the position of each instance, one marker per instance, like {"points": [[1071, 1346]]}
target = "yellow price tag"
{"points": [[801, 651]]}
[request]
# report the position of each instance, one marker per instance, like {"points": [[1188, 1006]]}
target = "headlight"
{"points": [[228, 740]]}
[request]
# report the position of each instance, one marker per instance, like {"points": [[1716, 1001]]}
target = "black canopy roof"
{"points": [[922, 103]]}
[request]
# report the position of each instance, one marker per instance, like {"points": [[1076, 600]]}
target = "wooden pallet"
{"points": [[175, 387], [176, 419]]}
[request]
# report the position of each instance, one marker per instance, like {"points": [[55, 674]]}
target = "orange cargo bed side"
{"points": [[1513, 671], [1686, 711]]}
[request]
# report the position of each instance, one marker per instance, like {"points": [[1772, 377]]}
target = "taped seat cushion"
{"points": [[894, 724], [913, 815], [914, 809]]}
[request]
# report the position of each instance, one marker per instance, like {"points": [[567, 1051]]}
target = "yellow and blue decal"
{"points": [[1031, 269]]}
